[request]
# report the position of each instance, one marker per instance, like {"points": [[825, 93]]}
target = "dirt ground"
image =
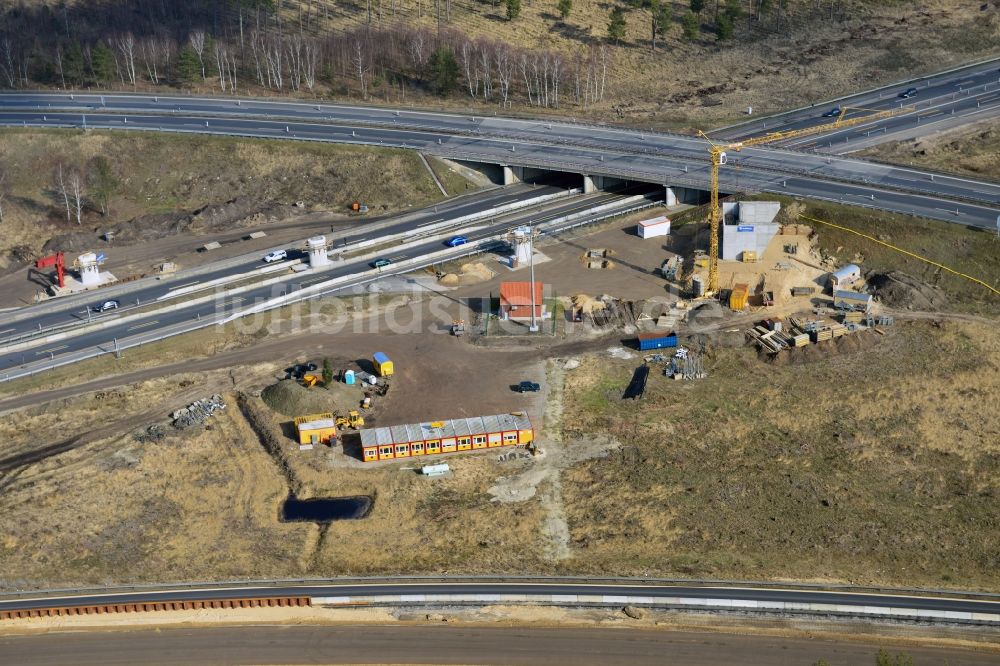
{"points": [[969, 250], [903, 639], [843, 488], [971, 150], [184, 191]]}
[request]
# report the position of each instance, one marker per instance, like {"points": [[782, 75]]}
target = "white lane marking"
{"points": [[49, 351], [144, 325]]}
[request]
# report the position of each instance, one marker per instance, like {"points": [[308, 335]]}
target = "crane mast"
{"points": [[717, 153]]}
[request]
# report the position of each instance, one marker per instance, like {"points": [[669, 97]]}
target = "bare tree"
{"points": [[505, 69], [221, 63], [11, 70], [59, 66], [155, 54], [76, 183], [485, 69], [126, 44], [62, 189], [417, 48], [360, 66], [467, 56], [197, 39], [309, 63]]}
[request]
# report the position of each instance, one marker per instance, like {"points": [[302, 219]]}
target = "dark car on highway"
{"points": [[832, 113], [381, 263], [908, 93], [105, 306]]}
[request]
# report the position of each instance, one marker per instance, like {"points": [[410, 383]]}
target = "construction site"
{"points": [[568, 374]]}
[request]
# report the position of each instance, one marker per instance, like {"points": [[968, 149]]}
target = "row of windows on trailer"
{"points": [[434, 446]]}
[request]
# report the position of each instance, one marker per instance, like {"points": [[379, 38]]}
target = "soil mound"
{"points": [[290, 398], [901, 290]]}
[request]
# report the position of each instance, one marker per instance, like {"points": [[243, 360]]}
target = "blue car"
{"points": [[456, 241], [908, 93], [832, 113]]}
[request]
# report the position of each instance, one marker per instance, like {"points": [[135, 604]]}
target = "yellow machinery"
{"points": [[718, 154], [310, 380], [352, 420]]}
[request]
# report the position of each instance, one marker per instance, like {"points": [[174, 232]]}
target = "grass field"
{"points": [[878, 466], [761, 471], [169, 174], [972, 150]]}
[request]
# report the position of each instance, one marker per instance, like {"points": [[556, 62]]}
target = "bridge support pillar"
{"points": [[685, 195], [592, 183], [512, 174]]}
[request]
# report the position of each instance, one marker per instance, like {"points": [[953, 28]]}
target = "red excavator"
{"points": [[56, 260]]}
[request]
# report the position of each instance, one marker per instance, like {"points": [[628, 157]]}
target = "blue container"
{"points": [[349, 377], [656, 341]]}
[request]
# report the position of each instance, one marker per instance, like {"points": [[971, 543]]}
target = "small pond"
{"points": [[325, 510]]}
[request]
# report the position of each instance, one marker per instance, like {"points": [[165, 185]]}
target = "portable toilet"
{"points": [[383, 366], [349, 377]]}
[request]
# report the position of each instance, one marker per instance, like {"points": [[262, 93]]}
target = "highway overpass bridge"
{"points": [[519, 148]]}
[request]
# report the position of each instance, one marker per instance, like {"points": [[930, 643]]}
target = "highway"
{"points": [[74, 309], [343, 122], [977, 604], [747, 598], [942, 100], [666, 159], [403, 644], [187, 317]]}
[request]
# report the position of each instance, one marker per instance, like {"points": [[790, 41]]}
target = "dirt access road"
{"points": [[444, 645]]}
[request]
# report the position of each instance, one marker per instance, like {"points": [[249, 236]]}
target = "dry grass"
{"points": [[705, 83], [876, 467], [195, 505], [972, 150], [165, 174], [760, 471]]}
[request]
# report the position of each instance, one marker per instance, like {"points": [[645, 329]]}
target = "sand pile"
{"points": [[471, 273], [586, 304]]}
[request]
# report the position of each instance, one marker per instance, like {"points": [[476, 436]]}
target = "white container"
{"points": [[657, 226]]}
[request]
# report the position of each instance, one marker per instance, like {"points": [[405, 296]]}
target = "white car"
{"points": [[277, 255]]}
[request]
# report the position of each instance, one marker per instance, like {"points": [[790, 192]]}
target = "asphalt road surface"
{"points": [[964, 95], [75, 311], [791, 595], [673, 160], [654, 157], [200, 314], [516, 646]]}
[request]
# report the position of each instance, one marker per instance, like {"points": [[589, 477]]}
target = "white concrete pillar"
{"points": [[317, 251], [511, 174], [90, 273], [671, 197], [588, 184]]}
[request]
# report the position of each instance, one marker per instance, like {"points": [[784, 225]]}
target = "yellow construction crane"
{"points": [[717, 152]]}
